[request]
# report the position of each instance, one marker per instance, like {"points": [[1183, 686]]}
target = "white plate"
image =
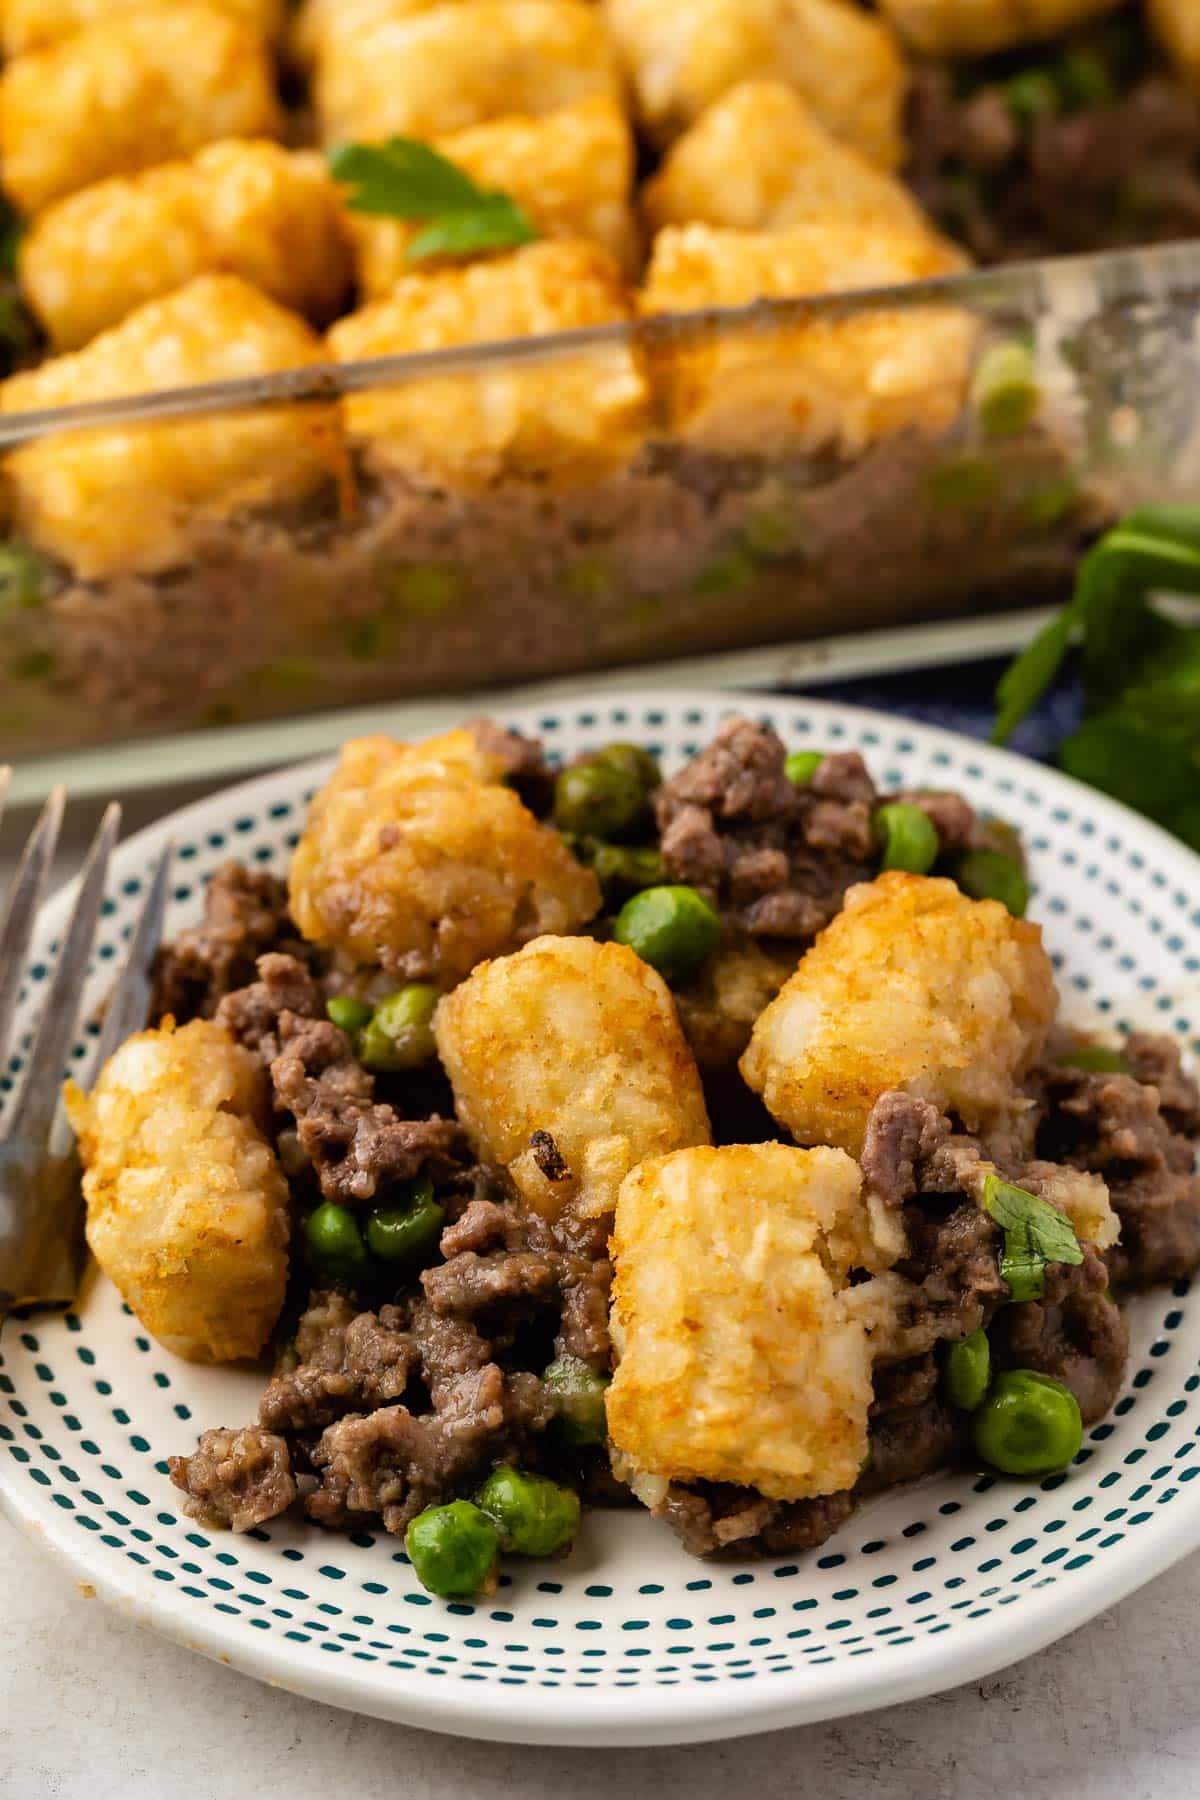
{"points": [[630, 1641]]}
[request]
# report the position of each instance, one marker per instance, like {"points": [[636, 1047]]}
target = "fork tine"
{"points": [[130, 999], [28, 886], [38, 1098]]}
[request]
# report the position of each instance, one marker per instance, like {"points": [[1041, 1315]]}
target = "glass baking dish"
{"points": [[428, 524]]}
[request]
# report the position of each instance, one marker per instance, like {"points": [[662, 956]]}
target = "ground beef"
{"points": [[775, 858], [471, 1283], [902, 1134], [245, 916], [953, 818], [394, 1463], [1158, 1063], [1118, 1127], [360, 1147], [320, 1336], [376, 1358], [397, 1408], [525, 766], [252, 1013], [912, 1444], [712, 1517], [952, 1271], [235, 1478], [1124, 172], [1075, 1332]]}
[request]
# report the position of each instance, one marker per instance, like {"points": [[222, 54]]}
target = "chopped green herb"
{"points": [[406, 179], [1035, 1233]]}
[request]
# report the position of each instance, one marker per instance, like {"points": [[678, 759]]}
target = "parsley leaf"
{"points": [[407, 179], [1140, 737], [497, 223], [1035, 1233]]}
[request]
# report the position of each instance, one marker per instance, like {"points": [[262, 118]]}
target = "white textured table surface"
{"points": [[93, 1708]]}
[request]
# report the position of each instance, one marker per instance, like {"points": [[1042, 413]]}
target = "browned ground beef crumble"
{"points": [[385, 1403], [1122, 171]]}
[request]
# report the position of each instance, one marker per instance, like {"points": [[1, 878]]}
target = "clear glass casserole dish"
{"points": [[346, 534]]}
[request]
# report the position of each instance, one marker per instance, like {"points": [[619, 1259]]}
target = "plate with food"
{"points": [[636, 1223]]}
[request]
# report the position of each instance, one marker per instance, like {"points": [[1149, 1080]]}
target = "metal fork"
{"points": [[41, 1203]]}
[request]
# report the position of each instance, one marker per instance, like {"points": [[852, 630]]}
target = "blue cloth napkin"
{"points": [[961, 698]]}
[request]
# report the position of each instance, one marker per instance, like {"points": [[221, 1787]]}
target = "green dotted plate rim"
{"points": [[681, 1703]]}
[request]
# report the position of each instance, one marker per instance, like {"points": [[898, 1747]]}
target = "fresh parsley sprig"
{"points": [[407, 179], [1140, 736], [1035, 1233]]}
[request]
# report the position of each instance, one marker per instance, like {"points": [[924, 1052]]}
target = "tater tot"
{"points": [[572, 171], [251, 208], [979, 27], [846, 64], [130, 92], [127, 497], [1177, 25], [562, 418], [760, 160], [320, 23], [825, 382], [440, 71], [187, 1206], [743, 1352], [580, 1041], [30, 24], [913, 987], [416, 859]]}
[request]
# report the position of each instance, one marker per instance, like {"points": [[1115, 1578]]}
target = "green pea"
{"points": [[1004, 389], [627, 866], [347, 1013], [335, 1243], [674, 929], [802, 765], [967, 1371], [990, 875], [632, 760], [908, 837], [22, 578], [579, 1397], [453, 1549], [598, 799], [1033, 94], [1028, 1425], [1096, 1059], [1085, 77], [400, 1234], [534, 1516], [399, 1033]]}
